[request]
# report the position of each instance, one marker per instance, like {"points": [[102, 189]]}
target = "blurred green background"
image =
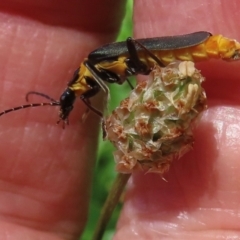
{"points": [[104, 173]]}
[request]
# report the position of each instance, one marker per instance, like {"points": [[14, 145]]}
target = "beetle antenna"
{"points": [[29, 106], [39, 94]]}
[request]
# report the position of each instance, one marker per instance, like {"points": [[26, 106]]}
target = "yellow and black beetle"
{"points": [[115, 62]]}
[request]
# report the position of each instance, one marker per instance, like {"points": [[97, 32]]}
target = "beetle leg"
{"points": [[137, 65], [102, 75], [129, 83], [89, 105], [94, 89]]}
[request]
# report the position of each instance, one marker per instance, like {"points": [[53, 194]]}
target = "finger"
{"points": [[203, 185], [45, 170]]}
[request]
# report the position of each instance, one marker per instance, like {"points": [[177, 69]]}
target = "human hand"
{"points": [[45, 173], [200, 199]]}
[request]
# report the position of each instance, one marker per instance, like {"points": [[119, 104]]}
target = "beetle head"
{"points": [[66, 104]]}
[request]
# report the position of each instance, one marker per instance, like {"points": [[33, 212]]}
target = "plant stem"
{"points": [[110, 204]]}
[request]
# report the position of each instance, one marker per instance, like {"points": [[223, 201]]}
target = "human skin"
{"points": [[200, 197], [46, 172]]}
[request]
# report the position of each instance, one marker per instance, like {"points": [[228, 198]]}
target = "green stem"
{"points": [[110, 204]]}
